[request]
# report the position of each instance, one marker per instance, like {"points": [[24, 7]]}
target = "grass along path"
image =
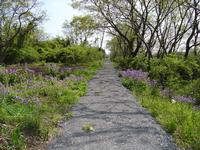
{"points": [[109, 118], [34, 99], [179, 119]]}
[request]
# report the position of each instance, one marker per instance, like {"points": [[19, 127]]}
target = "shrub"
{"points": [[123, 63], [9, 79], [170, 71], [196, 90], [29, 55], [51, 55], [139, 62], [74, 54], [23, 55]]}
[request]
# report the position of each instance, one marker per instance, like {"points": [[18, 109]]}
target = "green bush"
{"points": [[9, 79], [139, 62], [78, 54], [13, 56], [196, 90], [123, 63], [74, 55], [172, 72], [51, 55], [28, 55], [23, 55]]}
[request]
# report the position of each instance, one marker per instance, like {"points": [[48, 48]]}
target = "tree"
{"points": [[194, 27], [80, 28], [17, 18], [159, 26]]}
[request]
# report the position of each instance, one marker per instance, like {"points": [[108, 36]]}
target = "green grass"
{"points": [[33, 105], [178, 119]]}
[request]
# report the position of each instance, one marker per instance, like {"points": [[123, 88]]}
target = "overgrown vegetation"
{"points": [[174, 74], [155, 42], [40, 78], [169, 89], [179, 119], [35, 98]]}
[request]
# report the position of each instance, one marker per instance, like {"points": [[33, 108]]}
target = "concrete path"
{"points": [[120, 123]]}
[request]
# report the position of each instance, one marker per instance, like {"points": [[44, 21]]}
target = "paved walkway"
{"points": [[120, 123]]}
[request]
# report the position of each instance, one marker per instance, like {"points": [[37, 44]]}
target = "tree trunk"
{"points": [[2, 58], [187, 50], [194, 28], [130, 48], [139, 44], [102, 39]]}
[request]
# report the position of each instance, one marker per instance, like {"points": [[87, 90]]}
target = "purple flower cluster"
{"points": [[136, 74], [143, 76], [30, 70], [184, 99], [26, 101], [21, 100], [66, 69], [9, 71], [169, 93]]}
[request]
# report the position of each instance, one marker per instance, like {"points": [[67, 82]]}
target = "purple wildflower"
{"points": [[136, 74], [143, 76], [29, 70], [11, 71], [17, 99], [184, 99], [24, 101], [66, 69]]}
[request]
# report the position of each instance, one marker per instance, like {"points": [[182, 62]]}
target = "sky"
{"points": [[57, 12]]}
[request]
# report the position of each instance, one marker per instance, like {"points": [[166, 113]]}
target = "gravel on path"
{"points": [[119, 122]]}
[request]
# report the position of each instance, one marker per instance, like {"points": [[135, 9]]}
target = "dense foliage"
{"points": [[170, 90], [35, 98], [50, 51], [40, 78], [179, 119], [173, 73]]}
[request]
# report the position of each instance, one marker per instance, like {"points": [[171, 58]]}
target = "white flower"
{"points": [[173, 101]]}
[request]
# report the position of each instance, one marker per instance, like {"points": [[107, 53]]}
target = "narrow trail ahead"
{"points": [[120, 123]]}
